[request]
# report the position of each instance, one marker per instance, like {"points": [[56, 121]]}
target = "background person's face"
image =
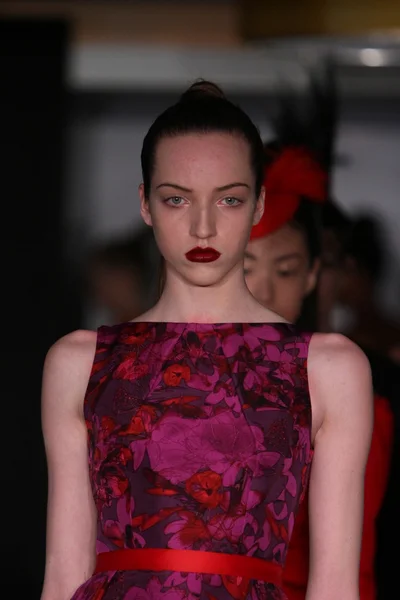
{"points": [[278, 271]]}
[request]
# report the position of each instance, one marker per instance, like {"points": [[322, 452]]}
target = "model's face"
{"points": [[278, 271], [202, 197]]}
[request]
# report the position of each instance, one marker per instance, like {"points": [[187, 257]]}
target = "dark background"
{"points": [[38, 296]]}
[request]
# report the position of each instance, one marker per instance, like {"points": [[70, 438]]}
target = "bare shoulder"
{"points": [[333, 352], [73, 346], [340, 378], [67, 367]]}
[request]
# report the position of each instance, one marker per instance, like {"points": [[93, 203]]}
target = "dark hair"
{"points": [[136, 252], [203, 108], [359, 237], [307, 219], [336, 221], [366, 245]]}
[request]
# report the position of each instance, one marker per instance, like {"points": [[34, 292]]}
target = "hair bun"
{"points": [[202, 89]]}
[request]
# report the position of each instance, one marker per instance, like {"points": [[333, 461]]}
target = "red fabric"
{"points": [[190, 561], [294, 174], [376, 477]]}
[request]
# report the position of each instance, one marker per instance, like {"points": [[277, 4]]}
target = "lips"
{"points": [[202, 255]]}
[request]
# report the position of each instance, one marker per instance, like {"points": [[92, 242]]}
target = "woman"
{"points": [[281, 265], [199, 412]]}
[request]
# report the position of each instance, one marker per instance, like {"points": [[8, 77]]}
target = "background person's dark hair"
{"points": [[203, 108], [136, 252], [365, 245], [360, 237], [308, 220]]}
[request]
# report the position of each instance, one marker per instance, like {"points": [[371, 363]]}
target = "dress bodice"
{"points": [[199, 437]]}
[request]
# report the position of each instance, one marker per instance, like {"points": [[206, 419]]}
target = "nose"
{"points": [[203, 223]]}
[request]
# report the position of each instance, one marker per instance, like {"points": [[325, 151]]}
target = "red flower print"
{"points": [[189, 532], [113, 483], [238, 587], [161, 486], [183, 406], [141, 421], [205, 487], [138, 336], [174, 374], [124, 455], [130, 369], [144, 522]]}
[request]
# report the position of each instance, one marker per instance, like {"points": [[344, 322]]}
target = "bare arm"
{"points": [[71, 515], [341, 389]]}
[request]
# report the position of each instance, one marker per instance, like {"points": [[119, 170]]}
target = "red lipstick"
{"points": [[202, 255]]}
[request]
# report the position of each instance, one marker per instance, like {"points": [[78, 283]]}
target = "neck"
{"points": [[229, 300]]}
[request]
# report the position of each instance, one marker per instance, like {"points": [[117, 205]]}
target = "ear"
{"points": [[312, 277], [260, 205], [144, 206]]}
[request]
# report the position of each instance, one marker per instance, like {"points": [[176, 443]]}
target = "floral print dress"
{"points": [[199, 439]]}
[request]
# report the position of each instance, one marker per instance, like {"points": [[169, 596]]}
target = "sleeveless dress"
{"points": [[199, 439]]}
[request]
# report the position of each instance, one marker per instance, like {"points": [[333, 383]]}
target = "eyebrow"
{"points": [[223, 188], [287, 256], [251, 256]]}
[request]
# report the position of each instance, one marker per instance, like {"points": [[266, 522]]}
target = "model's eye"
{"points": [[230, 201], [175, 201]]}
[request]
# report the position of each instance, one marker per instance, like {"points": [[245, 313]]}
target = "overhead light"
{"points": [[372, 57]]}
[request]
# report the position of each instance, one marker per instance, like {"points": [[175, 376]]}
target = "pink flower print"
{"points": [[199, 381], [231, 525], [176, 579], [291, 484], [179, 448], [225, 391], [93, 588], [120, 531], [154, 592], [279, 530], [189, 531], [265, 336]]}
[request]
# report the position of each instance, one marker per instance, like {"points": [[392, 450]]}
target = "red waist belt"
{"points": [[190, 561]]}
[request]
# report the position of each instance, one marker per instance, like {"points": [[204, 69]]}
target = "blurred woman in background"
{"points": [[354, 258], [282, 263], [122, 276]]}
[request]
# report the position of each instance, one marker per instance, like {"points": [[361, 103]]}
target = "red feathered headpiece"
{"points": [[293, 175]]}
